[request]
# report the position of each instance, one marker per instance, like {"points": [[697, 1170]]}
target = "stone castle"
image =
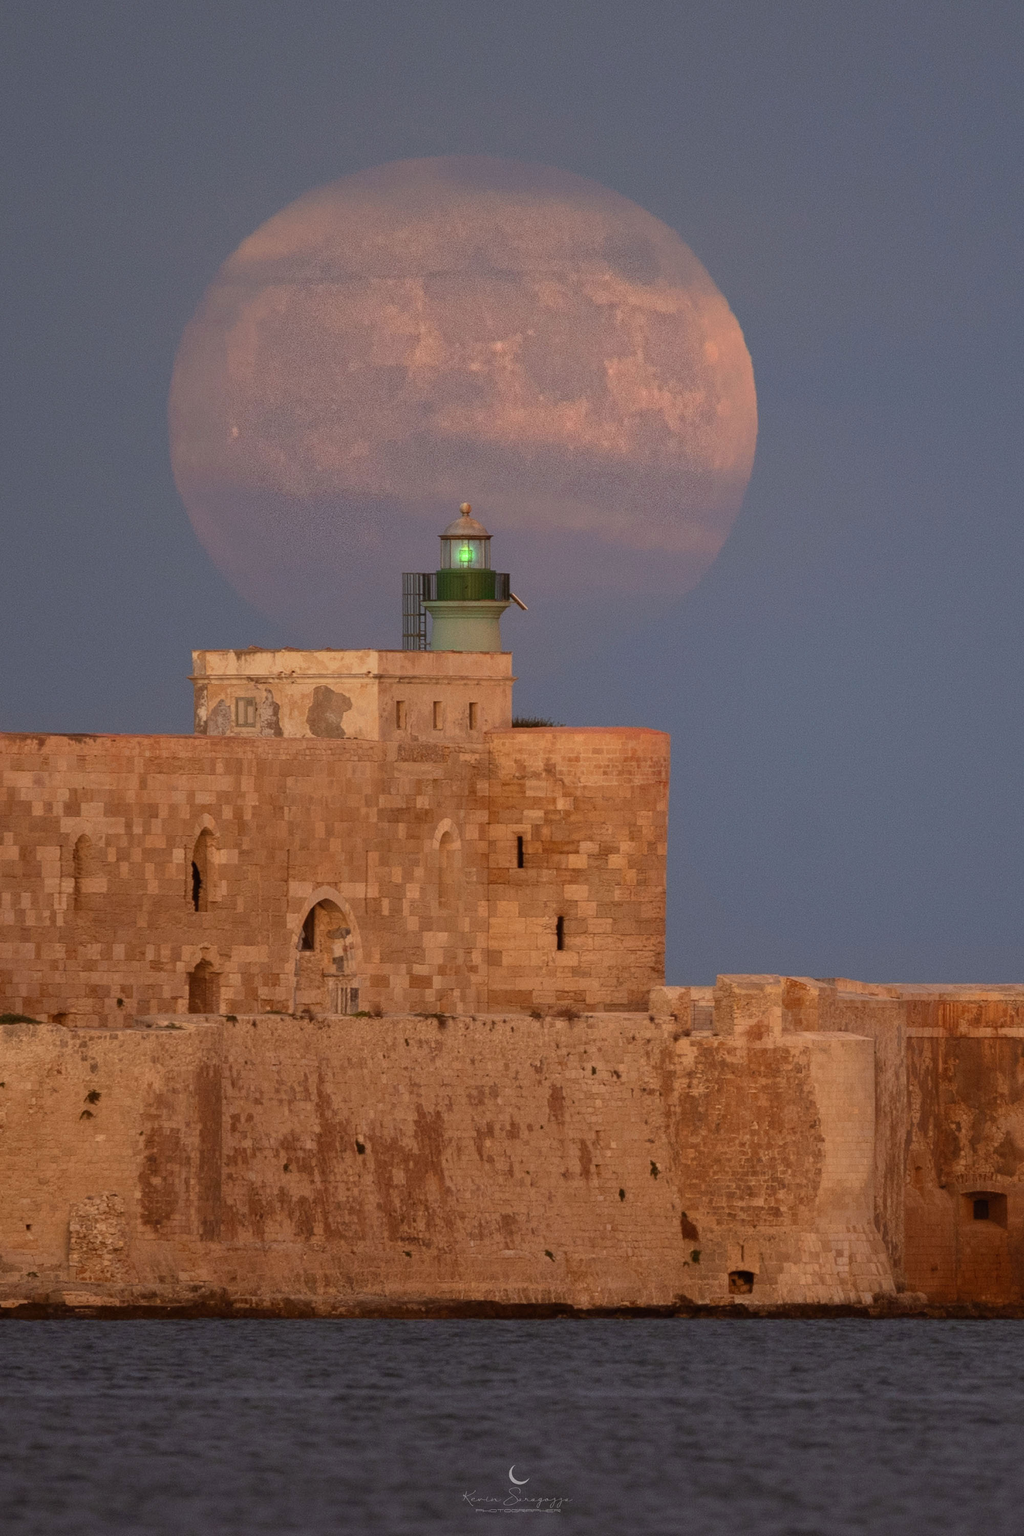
{"points": [[353, 1002]]}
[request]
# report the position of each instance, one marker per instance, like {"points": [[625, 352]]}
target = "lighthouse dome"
{"points": [[465, 543], [465, 526]]}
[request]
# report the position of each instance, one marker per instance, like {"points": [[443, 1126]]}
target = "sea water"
{"points": [[632, 1427]]}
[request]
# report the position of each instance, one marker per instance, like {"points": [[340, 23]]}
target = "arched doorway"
{"points": [[203, 989], [326, 963]]}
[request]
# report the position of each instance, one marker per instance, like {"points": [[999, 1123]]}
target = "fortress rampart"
{"points": [[772, 1141], [353, 1002], [359, 1164]]}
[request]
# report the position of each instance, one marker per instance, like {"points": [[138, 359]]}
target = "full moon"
{"points": [[462, 329]]}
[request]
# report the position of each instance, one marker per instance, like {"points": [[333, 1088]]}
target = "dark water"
{"points": [[673, 1426]]}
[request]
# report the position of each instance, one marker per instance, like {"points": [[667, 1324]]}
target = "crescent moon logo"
{"points": [[519, 1481]]}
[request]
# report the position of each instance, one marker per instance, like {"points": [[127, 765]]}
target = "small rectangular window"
{"points": [[400, 715], [520, 858], [245, 711], [473, 714], [438, 715], [985, 1205], [560, 933]]}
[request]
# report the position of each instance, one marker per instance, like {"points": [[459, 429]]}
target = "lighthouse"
{"points": [[464, 597]]}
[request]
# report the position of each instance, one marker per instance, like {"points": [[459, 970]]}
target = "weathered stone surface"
{"points": [[98, 1239], [537, 1120], [375, 1163], [194, 852], [374, 695]]}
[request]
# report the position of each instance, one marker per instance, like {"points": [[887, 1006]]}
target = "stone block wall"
{"points": [[375, 1164], [581, 923], [407, 849], [369, 695], [949, 1137], [965, 1059]]}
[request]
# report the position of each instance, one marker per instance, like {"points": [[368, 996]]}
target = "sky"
{"points": [[843, 688]]}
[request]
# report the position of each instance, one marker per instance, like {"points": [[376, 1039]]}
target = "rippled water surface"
{"points": [[675, 1426]]}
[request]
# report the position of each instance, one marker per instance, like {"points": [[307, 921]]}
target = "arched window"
{"points": [[203, 989], [202, 870], [326, 977], [447, 870]]}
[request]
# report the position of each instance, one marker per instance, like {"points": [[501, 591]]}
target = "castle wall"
{"points": [[592, 809], [755, 1095], [367, 1164], [949, 1113], [965, 1054], [772, 1007], [410, 845]]}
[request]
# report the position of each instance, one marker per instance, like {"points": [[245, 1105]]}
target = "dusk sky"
{"points": [[843, 687]]}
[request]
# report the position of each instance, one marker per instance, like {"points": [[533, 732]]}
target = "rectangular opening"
{"points": [[400, 715], [520, 858], [438, 715], [560, 933], [341, 997], [245, 711], [473, 717], [985, 1205]]}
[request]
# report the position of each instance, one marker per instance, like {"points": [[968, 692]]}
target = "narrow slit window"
{"points": [[520, 856], [401, 715], [202, 871], [474, 713], [560, 933], [438, 715]]}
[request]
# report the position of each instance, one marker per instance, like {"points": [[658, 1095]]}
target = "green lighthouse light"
{"points": [[464, 598], [465, 544]]}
